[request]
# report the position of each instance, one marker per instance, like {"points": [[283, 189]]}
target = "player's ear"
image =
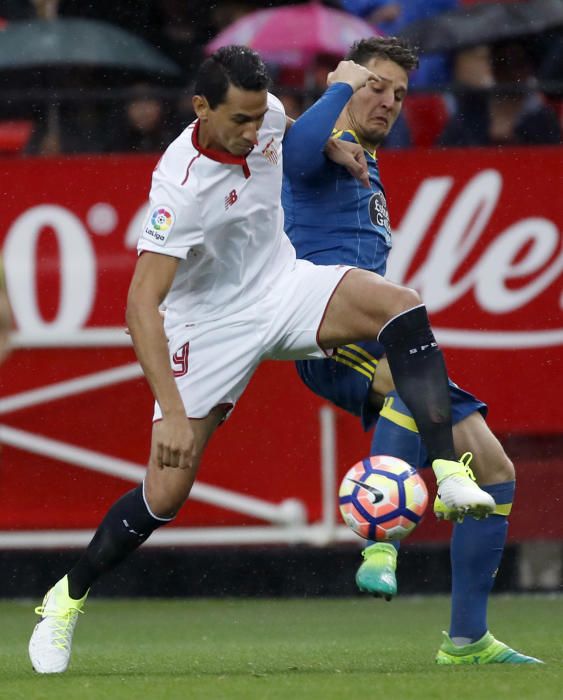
{"points": [[201, 107]]}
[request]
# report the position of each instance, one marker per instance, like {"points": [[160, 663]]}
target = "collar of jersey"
{"points": [[219, 156], [337, 133]]}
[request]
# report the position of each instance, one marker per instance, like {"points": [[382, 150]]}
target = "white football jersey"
{"points": [[221, 215]]}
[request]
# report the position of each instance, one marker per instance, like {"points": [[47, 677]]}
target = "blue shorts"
{"points": [[345, 380]]}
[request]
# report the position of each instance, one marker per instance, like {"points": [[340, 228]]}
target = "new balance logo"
{"points": [[376, 494], [231, 198]]}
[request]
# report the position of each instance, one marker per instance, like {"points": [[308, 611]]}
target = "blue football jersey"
{"points": [[333, 219]]}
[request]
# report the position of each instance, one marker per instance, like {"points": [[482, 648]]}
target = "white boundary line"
{"points": [[107, 336], [61, 390], [187, 537], [498, 340], [288, 517], [98, 462], [327, 419]]}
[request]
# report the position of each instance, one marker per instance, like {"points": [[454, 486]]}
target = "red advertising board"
{"points": [[478, 232]]}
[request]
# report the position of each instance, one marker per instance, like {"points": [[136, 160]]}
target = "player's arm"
{"points": [[305, 142], [346, 153], [351, 156], [151, 282], [5, 318]]}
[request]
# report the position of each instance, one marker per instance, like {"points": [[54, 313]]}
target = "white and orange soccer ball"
{"points": [[382, 498]]}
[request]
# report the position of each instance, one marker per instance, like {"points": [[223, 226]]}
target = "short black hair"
{"points": [[230, 65], [388, 48]]}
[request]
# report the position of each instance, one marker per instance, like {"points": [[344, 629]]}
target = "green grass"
{"points": [[349, 649]]}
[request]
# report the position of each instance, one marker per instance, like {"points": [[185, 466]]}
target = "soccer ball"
{"points": [[382, 498]]}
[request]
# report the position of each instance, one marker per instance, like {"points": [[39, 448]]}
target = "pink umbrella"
{"points": [[293, 35]]}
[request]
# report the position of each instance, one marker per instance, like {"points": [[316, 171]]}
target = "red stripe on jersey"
{"points": [[219, 156], [188, 168]]}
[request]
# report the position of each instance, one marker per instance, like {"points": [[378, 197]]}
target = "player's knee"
{"points": [[506, 469], [404, 299], [382, 383], [163, 502], [499, 470]]}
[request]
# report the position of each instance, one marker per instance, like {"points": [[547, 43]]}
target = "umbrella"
{"points": [[78, 42], [292, 36], [484, 24], [50, 54]]}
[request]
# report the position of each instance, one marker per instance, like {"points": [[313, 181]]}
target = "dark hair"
{"points": [[230, 65], [389, 48]]}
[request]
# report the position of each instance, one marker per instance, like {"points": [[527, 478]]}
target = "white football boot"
{"points": [[51, 642], [458, 492]]}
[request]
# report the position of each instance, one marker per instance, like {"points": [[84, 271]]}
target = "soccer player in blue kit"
{"points": [[332, 218]]}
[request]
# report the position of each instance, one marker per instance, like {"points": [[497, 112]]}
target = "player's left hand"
{"points": [[352, 73], [351, 156], [4, 346], [5, 324]]}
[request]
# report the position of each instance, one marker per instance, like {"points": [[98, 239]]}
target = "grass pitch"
{"points": [[282, 649]]}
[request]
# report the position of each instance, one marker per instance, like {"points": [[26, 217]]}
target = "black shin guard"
{"points": [[421, 379], [127, 524]]}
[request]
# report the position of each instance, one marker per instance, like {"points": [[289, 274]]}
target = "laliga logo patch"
{"points": [[159, 224]]}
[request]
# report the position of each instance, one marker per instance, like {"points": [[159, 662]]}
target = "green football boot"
{"points": [[376, 575], [486, 650], [50, 645], [458, 493]]}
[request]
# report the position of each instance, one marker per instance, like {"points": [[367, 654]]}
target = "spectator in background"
{"points": [[71, 126], [15, 10], [549, 49], [145, 125], [392, 16], [187, 27], [293, 101], [498, 102], [472, 67], [224, 12]]}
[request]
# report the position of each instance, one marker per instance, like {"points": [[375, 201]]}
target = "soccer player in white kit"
{"points": [[213, 250], [5, 317]]}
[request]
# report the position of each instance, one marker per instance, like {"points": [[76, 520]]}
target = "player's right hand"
{"points": [[351, 156], [174, 442], [352, 73]]}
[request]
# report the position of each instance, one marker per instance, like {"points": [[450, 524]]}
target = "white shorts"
{"points": [[215, 360]]}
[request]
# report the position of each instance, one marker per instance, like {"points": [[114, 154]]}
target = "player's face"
{"points": [[233, 125], [374, 108]]}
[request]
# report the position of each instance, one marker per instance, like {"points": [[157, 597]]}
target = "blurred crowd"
{"points": [[500, 93]]}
